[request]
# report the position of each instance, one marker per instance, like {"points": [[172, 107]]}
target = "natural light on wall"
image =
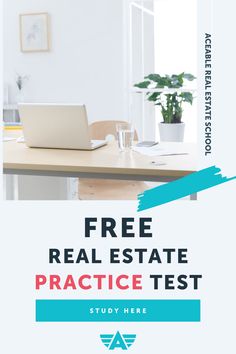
{"points": [[176, 48]]}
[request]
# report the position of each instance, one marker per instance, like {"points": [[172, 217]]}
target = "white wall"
{"points": [[176, 36], [86, 62], [176, 48], [85, 65]]}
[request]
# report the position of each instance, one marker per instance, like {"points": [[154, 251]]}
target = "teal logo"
{"points": [[118, 341]]}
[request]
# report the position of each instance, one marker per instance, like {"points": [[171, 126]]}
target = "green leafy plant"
{"points": [[171, 104]]}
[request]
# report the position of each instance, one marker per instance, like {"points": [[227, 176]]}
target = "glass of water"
{"points": [[125, 136]]}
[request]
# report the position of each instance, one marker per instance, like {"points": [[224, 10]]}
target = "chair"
{"points": [[100, 189]]}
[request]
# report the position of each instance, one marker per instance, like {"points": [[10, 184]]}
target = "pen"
{"points": [[155, 163], [174, 154]]}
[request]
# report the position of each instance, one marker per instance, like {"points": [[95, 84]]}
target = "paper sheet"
{"points": [[152, 151]]}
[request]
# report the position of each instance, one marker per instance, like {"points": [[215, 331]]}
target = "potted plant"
{"points": [[170, 101]]}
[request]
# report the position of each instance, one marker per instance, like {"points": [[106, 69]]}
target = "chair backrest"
{"points": [[101, 129]]}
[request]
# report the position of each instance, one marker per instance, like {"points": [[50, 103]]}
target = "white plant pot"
{"points": [[172, 132], [20, 96]]}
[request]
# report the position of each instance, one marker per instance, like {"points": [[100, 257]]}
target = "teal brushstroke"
{"points": [[193, 183]]}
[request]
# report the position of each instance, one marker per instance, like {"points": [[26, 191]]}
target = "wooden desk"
{"points": [[106, 162]]}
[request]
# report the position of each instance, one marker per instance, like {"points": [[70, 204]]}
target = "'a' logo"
{"points": [[118, 341]]}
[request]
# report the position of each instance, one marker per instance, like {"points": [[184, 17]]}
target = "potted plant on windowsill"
{"points": [[167, 92]]}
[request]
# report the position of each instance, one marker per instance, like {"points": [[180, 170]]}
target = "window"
{"points": [[162, 38]]}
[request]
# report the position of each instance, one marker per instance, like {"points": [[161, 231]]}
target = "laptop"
{"points": [[57, 126]]}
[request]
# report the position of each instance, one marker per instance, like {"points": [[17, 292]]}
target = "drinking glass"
{"points": [[125, 136]]}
